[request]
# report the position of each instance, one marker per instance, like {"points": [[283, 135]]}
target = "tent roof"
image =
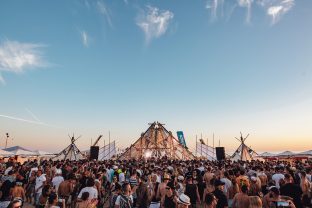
{"points": [[14, 148], [17, 150], [5, 153], [267, 154], [286, 153], [42, 153], [309, 152]]}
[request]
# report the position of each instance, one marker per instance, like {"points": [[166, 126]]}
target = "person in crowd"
{"points": [[86, 202], [18, 191], [255, 202], [170, 198], [54, 202], [40, 182], [219, 193], [210, 201], [57, 179], [183, 201], [278, 176], [124, 200], [292, 190], [90, 188], [191, 190], [241, 199]]}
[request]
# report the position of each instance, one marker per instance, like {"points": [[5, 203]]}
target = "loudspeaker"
{"points": [[94, 152], [220, 152]]}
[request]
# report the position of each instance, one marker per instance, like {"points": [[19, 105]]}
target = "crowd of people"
{"points": [[155, 183]]}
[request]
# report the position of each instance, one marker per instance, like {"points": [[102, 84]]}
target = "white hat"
{"points": [[115, 167], [180, 178], [184, 199]]}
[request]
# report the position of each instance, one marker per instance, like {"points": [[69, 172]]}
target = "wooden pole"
{"points": [[109, 144]]}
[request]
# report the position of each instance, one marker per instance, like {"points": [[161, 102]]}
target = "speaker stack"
{"points": [[94, 152], [220, 153]]}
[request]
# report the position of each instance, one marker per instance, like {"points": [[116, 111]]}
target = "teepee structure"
{"points": [[243, 152], [71, 152], [157, 142]]}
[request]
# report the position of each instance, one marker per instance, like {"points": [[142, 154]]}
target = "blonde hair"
{"points": [[255, 202]]}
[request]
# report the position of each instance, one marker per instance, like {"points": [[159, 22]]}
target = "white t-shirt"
{"points": [[56, 181], [39, 182], [227, 185], [277, 177], [122, 177], [93, 193], [118, 200]]}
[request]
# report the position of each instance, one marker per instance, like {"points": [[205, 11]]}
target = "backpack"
{"points": [[125, 202]]}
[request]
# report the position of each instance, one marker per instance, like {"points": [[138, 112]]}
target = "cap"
{"points": [[218, 183]]}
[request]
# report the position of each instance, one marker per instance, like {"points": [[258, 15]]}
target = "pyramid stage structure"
{"points": [[157, 142]]}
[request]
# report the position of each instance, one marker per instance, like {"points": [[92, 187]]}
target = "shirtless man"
{"points": [[66, 188], [208, 176], [18, 191], [162, 189], [241, 199]]}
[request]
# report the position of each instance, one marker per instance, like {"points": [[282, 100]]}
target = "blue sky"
{"points": [[204, 67]]}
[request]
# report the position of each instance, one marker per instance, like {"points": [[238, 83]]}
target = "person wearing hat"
{"points": [[183, 201], [162, 188], [57, 179], [219, 193], [180, 186]]}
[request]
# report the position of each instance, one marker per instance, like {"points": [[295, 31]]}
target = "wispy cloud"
{"points": [[247, 4], [103, 9], [18, 57], [26, 120], [85, 38], [154, 22], [213, 6], [275, 9]]}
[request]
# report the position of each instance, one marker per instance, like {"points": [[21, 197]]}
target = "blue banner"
{"points": [[181, 138]]}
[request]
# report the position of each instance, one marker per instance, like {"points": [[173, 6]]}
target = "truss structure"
{"points": [[71, 152], [157, 142]]}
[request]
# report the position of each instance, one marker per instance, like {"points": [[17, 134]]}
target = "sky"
{"points": [[205, 67]]}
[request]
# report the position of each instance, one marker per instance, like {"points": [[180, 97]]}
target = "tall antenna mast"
{"points": [[6, 140]]}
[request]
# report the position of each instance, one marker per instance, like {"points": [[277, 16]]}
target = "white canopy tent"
{"points": [[20, 151], [4, 153]]}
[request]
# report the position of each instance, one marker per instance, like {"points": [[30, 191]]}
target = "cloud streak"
{"points": [[85, 38], [275, 9], [18, 57], [247, 4], [103, 9], [25, 120], [154, 22]]}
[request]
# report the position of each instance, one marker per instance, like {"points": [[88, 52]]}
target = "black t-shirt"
{"points": [[294, 191], [222, 200], [5, 190], [190, 191], [169, 202]]}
